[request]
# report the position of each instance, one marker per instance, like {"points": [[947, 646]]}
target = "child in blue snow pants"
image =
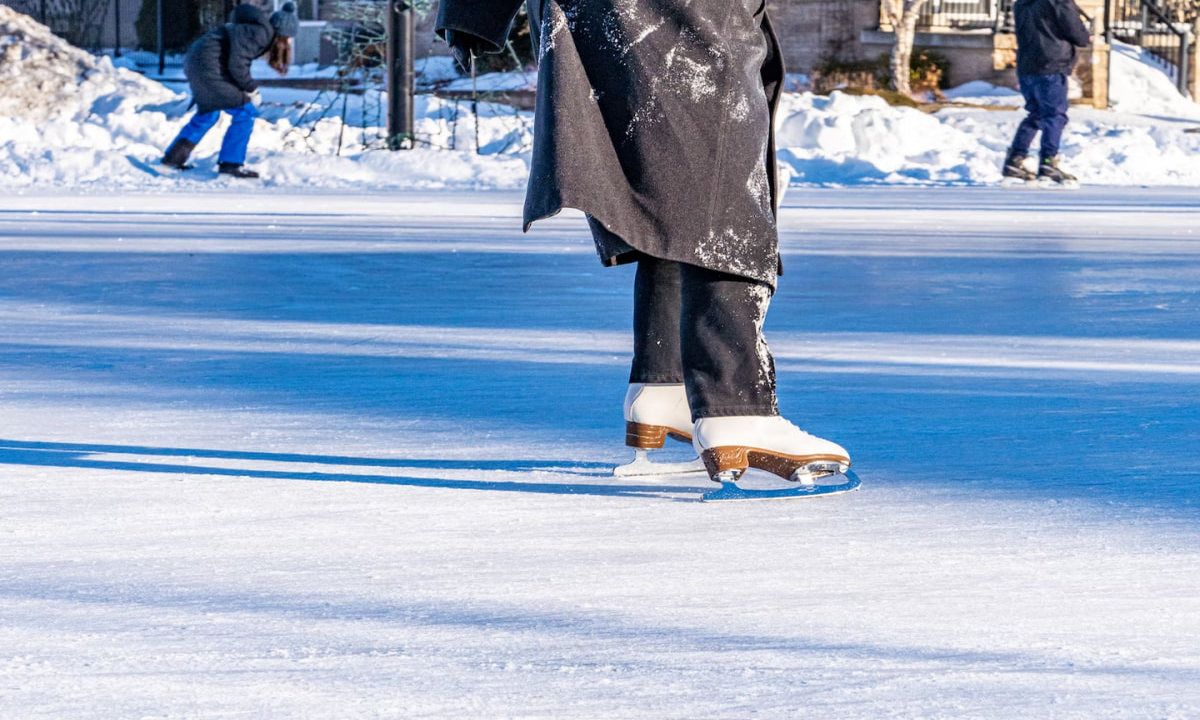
{"points": [[218, 71]]}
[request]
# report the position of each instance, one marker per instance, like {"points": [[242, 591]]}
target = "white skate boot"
{"points": [[654, 412], [731, 445]]}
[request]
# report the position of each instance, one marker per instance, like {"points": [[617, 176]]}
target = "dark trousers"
{"points": [[703, 328], [1046, 105]]}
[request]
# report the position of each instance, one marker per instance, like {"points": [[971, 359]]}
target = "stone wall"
{"points": [[811, 30]]}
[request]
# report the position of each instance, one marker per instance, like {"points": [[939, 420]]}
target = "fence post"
{"points": [[1182, 82]]}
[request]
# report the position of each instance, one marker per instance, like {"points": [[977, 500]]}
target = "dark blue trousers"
{"points": [[237, 137], [1046, 103]]}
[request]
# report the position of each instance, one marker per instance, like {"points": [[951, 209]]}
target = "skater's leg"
{"points": [[181, 147], [237, 137], [727, 365], [1028, 129], [730, 377], [1054, 103], [198, 127], [656, 403], [656, 298]]}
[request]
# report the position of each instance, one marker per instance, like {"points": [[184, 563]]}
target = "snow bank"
{"points": [[43, 78], [1140, 83], [69, 119], [978, 92], [846, 139]]}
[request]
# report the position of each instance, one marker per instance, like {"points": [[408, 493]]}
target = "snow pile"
{"points": [[978, 92], [1140, 84], [63, 112], [68, 118], [44, 78], [844, 139]]}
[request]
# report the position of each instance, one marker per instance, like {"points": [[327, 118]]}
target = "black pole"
{"points": [[162, 50], [401, 38], [1182, 75], [44, 12], [116, 28]]}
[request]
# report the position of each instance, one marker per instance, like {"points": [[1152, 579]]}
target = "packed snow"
{"points": [[349, 455], [68, 119]]}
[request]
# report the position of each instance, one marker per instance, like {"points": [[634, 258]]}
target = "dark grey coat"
{"points": [[218, 64], [1048, 31], [654, 117]]}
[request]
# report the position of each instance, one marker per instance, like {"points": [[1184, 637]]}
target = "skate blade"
{"points": [[1012, 182], [827, 485], [1046, 184], [810, 473], [642, 466]]}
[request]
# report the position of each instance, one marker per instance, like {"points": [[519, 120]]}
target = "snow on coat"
{"points": [[218, 64], [655, 119]]}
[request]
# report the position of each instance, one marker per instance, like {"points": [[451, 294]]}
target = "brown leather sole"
{"points": [[650, 437], [733, 457]]}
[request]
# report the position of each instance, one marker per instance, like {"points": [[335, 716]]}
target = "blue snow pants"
{"points": [[1046, 105], [237, 137]]}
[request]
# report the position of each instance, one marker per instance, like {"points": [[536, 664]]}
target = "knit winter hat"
{"points": [[285, 20]]}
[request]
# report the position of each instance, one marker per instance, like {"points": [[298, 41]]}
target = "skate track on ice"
{"points": [[287, 455]]}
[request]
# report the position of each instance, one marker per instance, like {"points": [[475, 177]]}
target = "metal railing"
{"points": [[1149, 24], [965, 15]]}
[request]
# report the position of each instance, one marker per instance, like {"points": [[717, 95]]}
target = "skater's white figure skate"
{"points": [[731, 445], [654, 412]]}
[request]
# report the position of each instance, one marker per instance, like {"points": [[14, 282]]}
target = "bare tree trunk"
{"points": [[902, 15]]}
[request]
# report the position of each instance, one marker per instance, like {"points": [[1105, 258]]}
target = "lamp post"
{"points": [[400, 78]]}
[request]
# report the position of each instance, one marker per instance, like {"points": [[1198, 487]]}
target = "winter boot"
{"points": [[654, 412], [730, 445], [1049, 170], [177, 155], [235, 170], [1014, 167]]}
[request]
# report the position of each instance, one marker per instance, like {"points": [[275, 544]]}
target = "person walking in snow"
{"points": [[218, 70], [655, 120], [1048, 31]]}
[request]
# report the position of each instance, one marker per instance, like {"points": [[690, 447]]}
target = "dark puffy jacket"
{"points": [[218, 64], [1047, 33]]}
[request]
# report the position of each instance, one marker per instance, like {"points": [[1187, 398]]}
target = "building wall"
{"points": [[812, 30], [105, 32], [129, 10]]}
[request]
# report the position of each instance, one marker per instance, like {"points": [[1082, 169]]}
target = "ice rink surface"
{"points": [[298, 455]]}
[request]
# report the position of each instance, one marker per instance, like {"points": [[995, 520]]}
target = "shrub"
{"points": [[928, 70]]}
